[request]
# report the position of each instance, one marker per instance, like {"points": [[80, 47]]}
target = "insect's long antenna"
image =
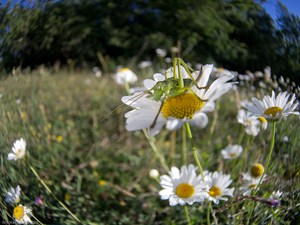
{"points": [[157, 114], [133, 99]]}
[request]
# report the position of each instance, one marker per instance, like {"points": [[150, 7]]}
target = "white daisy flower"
{"points": [[125, 75], [13, 195], [251, 179], [97, 71], [18, 149], [231, 151], [221, 71], [161, 52], [21, 214], [134, 90], [252, 124], [276, 194], [255, 172], [183, 186], [273, 108], [286, 139], [173, 111], [249, 184], [275, 198], [145, 64], [218, 186]]}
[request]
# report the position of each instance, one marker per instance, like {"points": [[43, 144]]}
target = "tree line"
{"points": [[234, 34]]}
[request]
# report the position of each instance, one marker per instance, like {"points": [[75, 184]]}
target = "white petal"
{"points": [[148, 83], [158, 77], [200, 120], [173, 124], [12, 156], [206, 71]]}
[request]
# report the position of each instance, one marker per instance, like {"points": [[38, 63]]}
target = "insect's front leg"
{"points": [[156, 116]]}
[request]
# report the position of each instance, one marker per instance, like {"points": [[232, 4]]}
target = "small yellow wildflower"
{"points": [[67, 197], [102, 182], [59, 138]]}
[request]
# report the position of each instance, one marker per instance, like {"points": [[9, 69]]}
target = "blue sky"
{"points": [[292, 5], [270, 6]]}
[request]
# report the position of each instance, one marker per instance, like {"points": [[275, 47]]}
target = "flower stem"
{"points": [[266, 168], [190, 136], [245, 153], [127, 87], [158, 154], [269, 156], [183, 145], [187, 215], [51, 193], [173, 146], [215, 118], [208, 213], [241, 137], [36, 219], [271, 148]]}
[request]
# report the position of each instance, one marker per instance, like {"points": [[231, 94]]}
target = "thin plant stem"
{"points": [[53, 195], [37, 219], [127, 87], [158, 154], [190, 136], [184, 145], [187, 215], [271, 148], [269, 156], [266, 168], [251, 212], [215, 118], [245, 152], [241, 137], [208, 213], [173, 146]]}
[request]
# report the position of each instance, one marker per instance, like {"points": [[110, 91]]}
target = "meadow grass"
{"points": [[100, 171]]}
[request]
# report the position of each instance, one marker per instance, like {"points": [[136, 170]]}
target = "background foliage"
{"points": [[238, 35]]}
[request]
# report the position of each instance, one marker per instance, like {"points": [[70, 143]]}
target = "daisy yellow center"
{"points": [[184, 190], [19, 212], [102, 182], [248, 122], [124, 70], [252, 186], [182, 106], [19, 152], [257, 170], [214, 191], [232, 154], [273, 111], [262, 119]]}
